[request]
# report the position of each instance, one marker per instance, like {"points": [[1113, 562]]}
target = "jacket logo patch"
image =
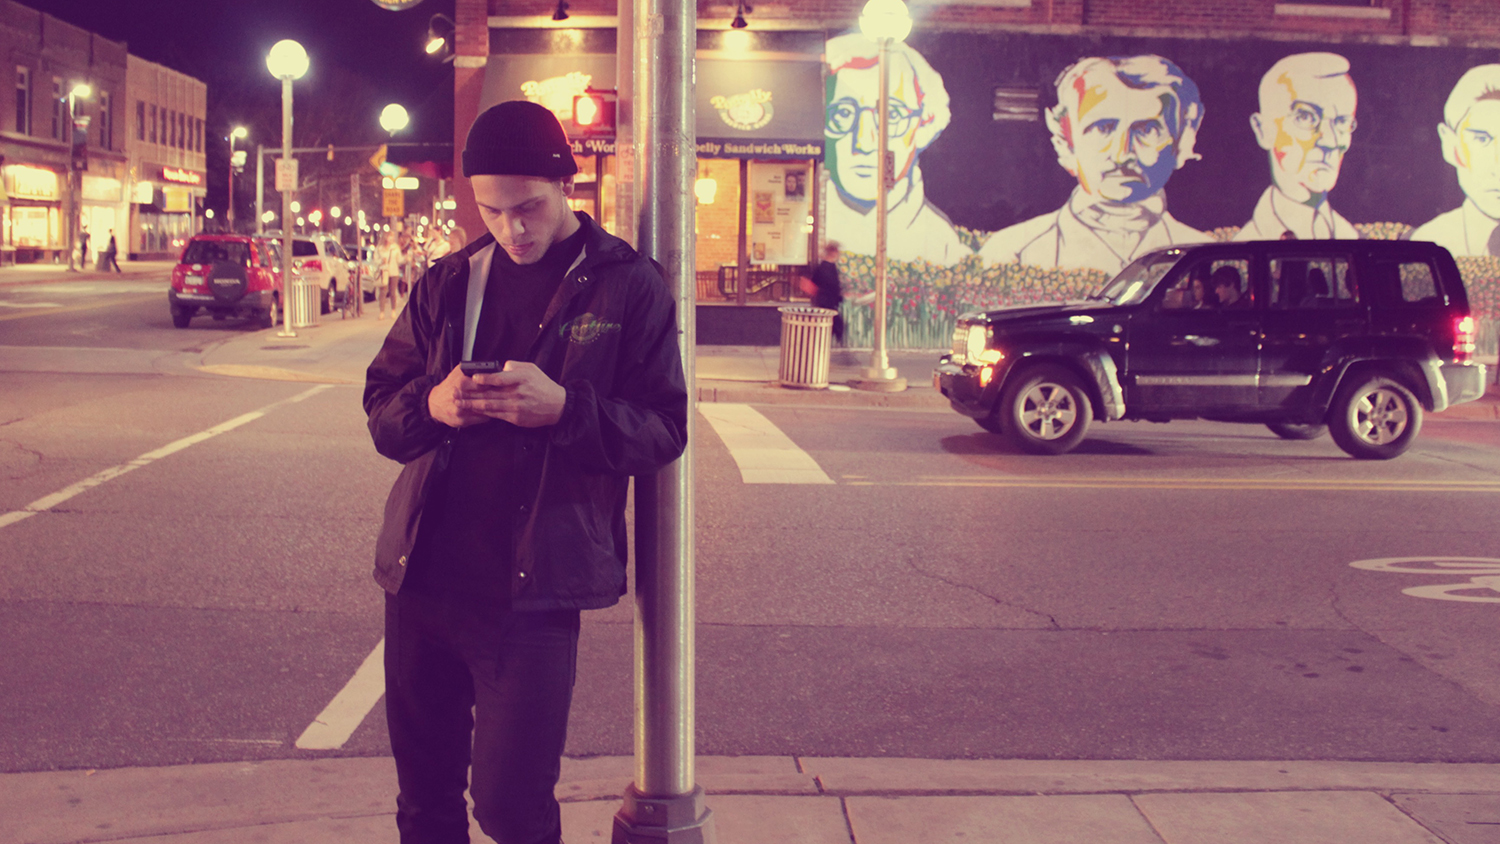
{"points": [[586, 329]]}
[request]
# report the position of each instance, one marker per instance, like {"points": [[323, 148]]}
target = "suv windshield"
{"points": [[1136, 281], [215, 251]]}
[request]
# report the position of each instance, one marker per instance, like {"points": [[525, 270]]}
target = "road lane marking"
{"points": [[47, 502], [1484, 574], [71, 308], [348, 709], [764, 454], [1237, 484]]}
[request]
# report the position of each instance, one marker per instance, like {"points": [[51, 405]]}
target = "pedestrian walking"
{"points": [[388, 264], [824, 287], [83, 249], [110, 251], [508, 517]]}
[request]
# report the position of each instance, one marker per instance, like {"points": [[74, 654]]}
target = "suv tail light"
{"points": [[1463, 340], [312, 264]]}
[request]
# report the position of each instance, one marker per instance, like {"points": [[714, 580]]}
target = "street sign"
{"points": [[286, 174], [394, 203], [378, 158]]}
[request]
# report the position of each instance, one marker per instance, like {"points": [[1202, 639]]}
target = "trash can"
{"points": [[806, 344], [306, 303]]}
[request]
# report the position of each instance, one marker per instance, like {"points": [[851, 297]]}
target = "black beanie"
{"points": [[518, 138]]}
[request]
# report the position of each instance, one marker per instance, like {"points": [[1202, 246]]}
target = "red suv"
{"points": [[227, 275]]}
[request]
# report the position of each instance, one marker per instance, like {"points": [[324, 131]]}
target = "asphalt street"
{"points": [[1181, 591]]}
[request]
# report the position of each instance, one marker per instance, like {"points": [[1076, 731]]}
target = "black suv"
{"points": [[1353, 337]]}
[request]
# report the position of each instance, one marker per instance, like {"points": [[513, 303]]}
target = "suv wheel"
{"points": [[1374, 418], [1295, 431], [1045, 410], [270, 316], [182, 316]]}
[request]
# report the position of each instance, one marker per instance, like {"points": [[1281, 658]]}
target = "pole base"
{"points": [[876, 381], [664, 820], [285, 332]]}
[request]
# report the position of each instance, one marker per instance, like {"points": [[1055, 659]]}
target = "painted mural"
{"points": [[1257, 139]]}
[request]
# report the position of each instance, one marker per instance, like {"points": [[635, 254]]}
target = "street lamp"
{"points": [[286, 61], [393, 118], [883, 21], [77, 92], [236, 161]]}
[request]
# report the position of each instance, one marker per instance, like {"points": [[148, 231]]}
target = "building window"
{"points": [[106, 125], [59, 110], [140, 120], [182, 131], [23, 100], [198, 136], [153, 123], [171, 128]]}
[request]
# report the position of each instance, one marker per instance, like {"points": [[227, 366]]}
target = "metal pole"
{"points": [[665, 805], [72, 239], [229, 213], [286, 212], [880, 376], [260, 188]]}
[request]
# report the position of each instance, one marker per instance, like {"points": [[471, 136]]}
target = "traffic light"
{"points": [[594, 113]]}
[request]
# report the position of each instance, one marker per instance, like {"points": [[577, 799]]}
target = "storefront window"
{"points": [[28, 226]]}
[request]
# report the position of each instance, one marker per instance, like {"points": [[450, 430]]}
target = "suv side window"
{"points": [[1197, 286], [304, 249], [1324, 281], [1394, 284]]}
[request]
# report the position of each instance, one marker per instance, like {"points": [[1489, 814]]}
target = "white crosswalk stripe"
{"points": [[764, 454]]}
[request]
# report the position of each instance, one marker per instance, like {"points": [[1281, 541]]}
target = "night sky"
{"points": [[362, 57]]}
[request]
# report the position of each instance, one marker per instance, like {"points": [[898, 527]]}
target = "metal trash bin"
{"points": [[306, 303], [806, 345]]}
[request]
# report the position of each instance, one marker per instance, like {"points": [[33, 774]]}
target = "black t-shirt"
{"points": [[830, 293], [464, 547]]}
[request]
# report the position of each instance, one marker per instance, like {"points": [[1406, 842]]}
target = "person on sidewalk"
{"points": [[508, 517], [83, 249], [110, 251], [823, 286], [388, 260]]}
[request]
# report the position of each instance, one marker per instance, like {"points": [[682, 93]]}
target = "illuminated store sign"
{"points": [[23, 182], [186, 177]]}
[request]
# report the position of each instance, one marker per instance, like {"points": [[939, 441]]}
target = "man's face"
{"points": [[1474, 152], [526, 214], [1307, 130], [1122, 150], [852, 127]]}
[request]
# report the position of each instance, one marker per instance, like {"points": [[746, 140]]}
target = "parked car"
{"points": [[321, 260], [227, 275], [1356, 338]]}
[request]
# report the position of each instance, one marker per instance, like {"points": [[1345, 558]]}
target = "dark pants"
{"points": [[494, 690], [110, 262]]}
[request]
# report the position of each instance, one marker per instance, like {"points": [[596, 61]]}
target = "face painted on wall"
{"points": [[1473, 148], [1120, 147], [1306, 123], [852, 126]]}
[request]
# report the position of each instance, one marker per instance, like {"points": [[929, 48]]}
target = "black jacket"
{"points": [[610, 338]]}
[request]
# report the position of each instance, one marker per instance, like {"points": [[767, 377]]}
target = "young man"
{"points": [[509, 516]]}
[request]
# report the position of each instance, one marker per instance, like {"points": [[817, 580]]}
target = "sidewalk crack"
{"points": [[950, 582]]}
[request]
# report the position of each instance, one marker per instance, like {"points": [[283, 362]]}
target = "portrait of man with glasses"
{"points": [[918, 115], [1122, 126], [1305, 125], [1470, 136]]}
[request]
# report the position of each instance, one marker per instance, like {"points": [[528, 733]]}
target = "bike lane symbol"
{"points": [[1482, 587]]}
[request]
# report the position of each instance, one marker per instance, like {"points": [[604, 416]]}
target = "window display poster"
{"points": [[778, 212]]}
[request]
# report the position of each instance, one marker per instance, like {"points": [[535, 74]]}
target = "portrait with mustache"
{"points": [[1122, 126]]}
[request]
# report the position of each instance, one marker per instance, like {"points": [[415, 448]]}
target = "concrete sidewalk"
{"points": [[22, 274], [776, 800]]}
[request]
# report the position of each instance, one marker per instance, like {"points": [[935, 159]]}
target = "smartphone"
{"points": [[474, 367]]}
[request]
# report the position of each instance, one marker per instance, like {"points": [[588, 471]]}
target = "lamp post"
{"points": [[234, 164], [883, 21], [286, 61], [79, 91]]}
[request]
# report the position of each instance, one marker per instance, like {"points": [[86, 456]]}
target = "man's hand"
{"points": [[521, 395]]}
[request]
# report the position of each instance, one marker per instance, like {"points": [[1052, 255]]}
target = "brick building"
{"points": [[995, 194], [47, 60], [164, 139]]}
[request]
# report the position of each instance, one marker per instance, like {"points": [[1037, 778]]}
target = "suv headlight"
{"points": [[974, 344]]}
